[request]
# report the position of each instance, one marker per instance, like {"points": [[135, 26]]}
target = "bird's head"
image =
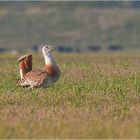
{"points": [[46, 49]]}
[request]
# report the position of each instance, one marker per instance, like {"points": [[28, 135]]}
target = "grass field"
{"points": [[97, 96]]}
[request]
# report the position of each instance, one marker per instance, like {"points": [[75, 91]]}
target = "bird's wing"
{"points": [[36, 77], [23, 83]]}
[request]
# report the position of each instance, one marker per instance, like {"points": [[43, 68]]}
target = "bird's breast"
{"points": [[52, 70]]}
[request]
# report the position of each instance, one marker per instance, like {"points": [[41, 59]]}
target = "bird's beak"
{"points": [[49, 47]]}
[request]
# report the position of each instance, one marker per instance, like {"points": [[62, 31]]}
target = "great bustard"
{"points": [[38, 77]]}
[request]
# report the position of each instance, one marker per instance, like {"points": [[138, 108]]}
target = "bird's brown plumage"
{"points": [[25, 64], [36, 78]]}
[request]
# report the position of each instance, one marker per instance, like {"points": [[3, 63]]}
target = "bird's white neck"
{"points": [[49, 59], [50, 65]]}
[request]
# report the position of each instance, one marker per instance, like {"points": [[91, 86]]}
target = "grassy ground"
{"points": [[98, 96]]}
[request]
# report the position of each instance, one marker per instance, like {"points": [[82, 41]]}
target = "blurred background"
{"points": [[71, 26]]}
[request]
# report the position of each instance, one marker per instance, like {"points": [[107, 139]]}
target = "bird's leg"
{"points": [[28, 89]]}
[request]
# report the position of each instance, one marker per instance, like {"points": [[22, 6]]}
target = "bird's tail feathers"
{"points": [[25, 64]]}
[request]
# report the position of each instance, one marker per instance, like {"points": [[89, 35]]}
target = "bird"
{"points": [[35, 78]]}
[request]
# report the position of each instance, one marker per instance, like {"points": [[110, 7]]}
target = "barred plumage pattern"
{"points": [[36, 78]]}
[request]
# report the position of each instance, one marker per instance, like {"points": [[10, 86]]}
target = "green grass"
{"points": [[97, 96]]}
